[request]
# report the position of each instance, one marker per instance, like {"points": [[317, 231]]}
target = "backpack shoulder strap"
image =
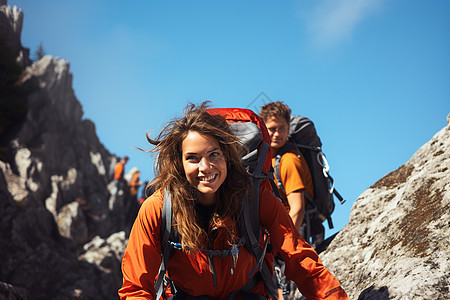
{"points": [[166, 228], [247, 220], [286, 148], [271, 178], [250, 226]]}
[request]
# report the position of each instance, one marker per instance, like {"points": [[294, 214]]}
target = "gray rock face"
{"points": [[11, 19], [58, 159], [54, 195], [397, 242]]}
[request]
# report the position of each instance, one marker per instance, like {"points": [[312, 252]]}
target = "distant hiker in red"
{"points": [[119, 169], [195, 225], [120, 185]]}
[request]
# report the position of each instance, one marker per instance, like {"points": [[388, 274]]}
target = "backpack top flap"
{"points": [[303, 132], [248, 134]]}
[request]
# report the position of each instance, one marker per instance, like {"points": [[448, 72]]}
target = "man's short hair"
{"points": [[275, 109]]}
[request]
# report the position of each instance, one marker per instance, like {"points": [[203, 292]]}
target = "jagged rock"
{"points": [[11, 19], [397, 242], [106, 254], [72, 224], [98, 249], [9, 292], [53, 189], [57, 155]]}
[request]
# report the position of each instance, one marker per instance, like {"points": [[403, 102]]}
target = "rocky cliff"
{"points": [[397, 242], [11, 19], [61, 230]]}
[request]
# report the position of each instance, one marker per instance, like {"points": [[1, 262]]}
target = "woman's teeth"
{"points": [[207, 178]]}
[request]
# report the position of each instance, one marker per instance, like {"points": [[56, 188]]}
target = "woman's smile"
{"points": [[208, 178]]}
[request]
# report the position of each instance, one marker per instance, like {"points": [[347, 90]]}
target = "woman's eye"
{"points": [[191, 158]]}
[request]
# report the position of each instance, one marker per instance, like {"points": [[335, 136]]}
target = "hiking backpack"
{"points": [[252, 132], [303, 137]]}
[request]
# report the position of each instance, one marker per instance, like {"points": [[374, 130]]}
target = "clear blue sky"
{"points": [[374, 75]]}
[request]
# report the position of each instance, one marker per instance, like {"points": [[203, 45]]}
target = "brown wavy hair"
{"points": [[171, 177], [275, 109]]}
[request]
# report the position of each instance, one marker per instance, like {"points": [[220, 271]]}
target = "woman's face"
{"points": [[204, 165]]}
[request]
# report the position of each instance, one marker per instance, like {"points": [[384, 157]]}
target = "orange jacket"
{"points": [[119, 169], [191, 272]]}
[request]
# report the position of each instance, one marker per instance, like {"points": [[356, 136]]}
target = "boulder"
{"points": [[397, 242]]}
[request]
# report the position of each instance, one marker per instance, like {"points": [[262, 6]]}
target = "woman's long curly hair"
{"points": [[172, 178]]}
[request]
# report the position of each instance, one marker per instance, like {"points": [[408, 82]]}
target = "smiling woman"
{"points": [[201, 180], [191, 150]]}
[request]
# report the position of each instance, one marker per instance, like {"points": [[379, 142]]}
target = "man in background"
{"points": [[295, 177]]}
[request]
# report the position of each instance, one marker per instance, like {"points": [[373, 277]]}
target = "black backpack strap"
{"points": [[251, 229], [251, 214], [248, 217], [335, 192], [277, 173], [245, 290], [263, 151], [250, 226], [309, 212], [272, 183], [166, 228], [280, 153]]}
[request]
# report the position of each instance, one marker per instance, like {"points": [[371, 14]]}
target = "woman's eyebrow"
{"points": [[190, 153], [196, 153]]}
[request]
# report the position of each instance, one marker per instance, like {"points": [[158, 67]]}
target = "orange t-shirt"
{"points": [[294, 174]]}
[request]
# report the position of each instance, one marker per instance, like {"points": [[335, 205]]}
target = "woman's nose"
{"points": [[203, 164]]}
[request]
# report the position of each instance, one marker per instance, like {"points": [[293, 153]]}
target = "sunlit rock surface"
{"points": [[397, 242]]}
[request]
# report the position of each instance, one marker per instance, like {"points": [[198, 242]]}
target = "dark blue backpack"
{"points": [[303, 137]]}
